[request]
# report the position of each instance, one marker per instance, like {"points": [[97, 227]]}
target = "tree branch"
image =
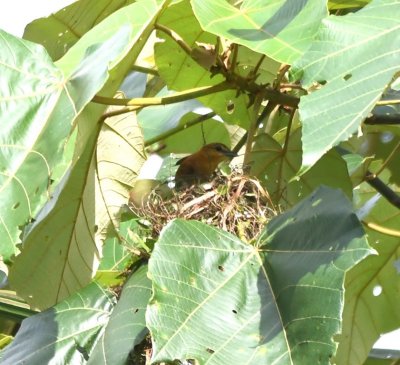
{"points": [[388, 119], [176, 37], [383, 189], [145, 70], [388, 102], [170, 99]]}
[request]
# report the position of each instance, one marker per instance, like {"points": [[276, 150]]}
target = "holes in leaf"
{"points": [[136, 310], [15, 206], [322, 82], [230, 107], [386, 137], [96, 227], [347, 77], [221, 268], [377, 290], [210, 351], [234, 311]]}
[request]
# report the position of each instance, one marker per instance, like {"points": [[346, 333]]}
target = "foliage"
{"points": [[303, 90]]}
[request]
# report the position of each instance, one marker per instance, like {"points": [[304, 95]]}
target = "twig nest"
{"points": [[236, 203]]}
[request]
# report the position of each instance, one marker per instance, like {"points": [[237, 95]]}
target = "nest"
{"points": [[236, 203]]}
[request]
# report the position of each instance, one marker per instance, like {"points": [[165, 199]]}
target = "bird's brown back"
{"points": [[199, 166]]}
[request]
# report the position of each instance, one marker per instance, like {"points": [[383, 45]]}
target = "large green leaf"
{"points": [[276, 166], [64, 246], [60, 31], [221, 301], [357, 56], [281, 29], [156, 120], [127, 325], [59, 249], [208, 131], [64, 334], [139, 18], [38, 106], [181, 72], [372, 288]]}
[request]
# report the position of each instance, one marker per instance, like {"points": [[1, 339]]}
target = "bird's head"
{"points": [[217, 151]]}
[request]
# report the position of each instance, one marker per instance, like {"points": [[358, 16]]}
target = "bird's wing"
{"points": [[181, 160]]}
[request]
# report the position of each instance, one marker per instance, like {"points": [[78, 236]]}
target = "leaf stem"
{"points": [[388, 102], [170, 99], [258, 65], [119, 112], [384, 164], [289, 127], [234, 58], [145, 70], [383, 189], [252, 131], [175, 36], [381, 229]]}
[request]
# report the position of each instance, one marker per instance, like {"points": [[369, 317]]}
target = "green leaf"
{"points": [[139, 18], [208, 131], [383, 142], [221, 301], [51, 251], [127, 325], [357, 56], [60, 31], [63, 247], [116, 258], [38, 107], [159, 119], [181, 72], [276, 167], [345, 4], [281, 29], [372, 288], [64, 334]]}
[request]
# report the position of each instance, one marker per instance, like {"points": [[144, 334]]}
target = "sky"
{"points": [[18, 13]]}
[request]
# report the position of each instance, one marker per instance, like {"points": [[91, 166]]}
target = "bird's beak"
{"points": [[230, 154]]}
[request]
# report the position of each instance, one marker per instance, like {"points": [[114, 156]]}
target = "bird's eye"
{"points": [[218, 148]]}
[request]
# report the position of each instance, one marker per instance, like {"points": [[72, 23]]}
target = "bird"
{"points": [[199, 166]]}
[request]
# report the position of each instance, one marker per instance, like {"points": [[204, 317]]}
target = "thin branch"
{"points": [[292, 86], [281, 74], [252, 131], [387, 119], [258, 65], [381, 229], [289, 127], [176, 37], [170, 99], [383, 189], [119, 112], [388, 102], [145, 70], [384, 164], [264, 114], [234, 58], [172, 131]]}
